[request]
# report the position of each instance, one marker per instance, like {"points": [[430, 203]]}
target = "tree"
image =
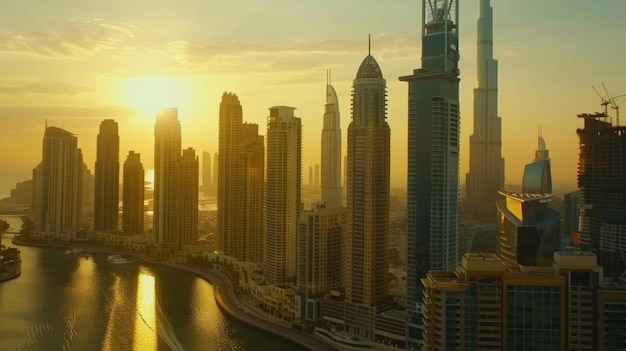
{"points": [[4, 226]]}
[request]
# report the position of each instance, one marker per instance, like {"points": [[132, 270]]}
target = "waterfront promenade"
{"points": [[224, 296]]}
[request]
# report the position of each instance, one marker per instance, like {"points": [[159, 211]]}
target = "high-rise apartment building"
{"points": [[133, 195], [230, 220], [367, 219], [282, 195], [319, 255], [433, 155], [601, 174], [240, 183], [167, 154], [57, 180], [188, 198], [107, 176], [252, 174], [486, 168], [206, 172], [331, 151]]}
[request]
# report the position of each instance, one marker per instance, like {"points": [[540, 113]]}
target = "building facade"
{"points": [[57, 180], [107, 177], [282, 195], [331, 151], [167, 153], [486, 168], [188, 198], [133, 195], [433, 155], [229, 211], [252, 185]]}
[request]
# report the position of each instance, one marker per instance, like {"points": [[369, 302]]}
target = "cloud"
{"points": [[22, 117], [84, 37], [44, 88], [238, 57]]}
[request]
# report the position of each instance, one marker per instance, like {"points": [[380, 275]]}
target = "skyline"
{"points": [[113, 51]]}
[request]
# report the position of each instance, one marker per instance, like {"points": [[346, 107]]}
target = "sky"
{"points": [[71, 64]]}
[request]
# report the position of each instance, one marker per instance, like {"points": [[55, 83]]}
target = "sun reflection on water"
{"points": [[145, 337]]}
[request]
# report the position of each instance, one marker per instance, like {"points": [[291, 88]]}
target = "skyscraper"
{"points": [[167, 153], [538, 175], [486, 169], [206, 172], [252, 176], [601, 174], [229, 212], [331, 151], [433, 155], [282, 196], [58, 178], [133, 195], [367, 222], [188, 198], [107, 176]]}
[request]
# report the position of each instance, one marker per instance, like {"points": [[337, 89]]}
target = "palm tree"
{"points": [[4, 226]]}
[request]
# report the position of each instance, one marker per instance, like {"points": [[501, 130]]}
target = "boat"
{"points": [[113, 257], [74, 250], [86, 255], [120, 260]]}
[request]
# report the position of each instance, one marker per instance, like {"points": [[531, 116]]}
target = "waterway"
{"points": [[67, 302]]}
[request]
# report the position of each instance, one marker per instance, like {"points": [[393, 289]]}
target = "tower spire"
{"points": [[369, 44]]}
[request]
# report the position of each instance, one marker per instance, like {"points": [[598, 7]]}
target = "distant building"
{"points": [[23, 192], [538, 175], [188, 199], [529, 229], [571, 213], [486, 168], [206, 172], [133, 195], [252, 186], [601, 174], [433, 155], [107, 177], [282, 194], [167, 153], [57, 180], [331, 151]]}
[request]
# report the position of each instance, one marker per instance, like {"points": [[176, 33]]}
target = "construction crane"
{"points": [[612, 101]]}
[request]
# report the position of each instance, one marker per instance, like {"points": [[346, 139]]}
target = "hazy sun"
{"points": [[149, 94]]}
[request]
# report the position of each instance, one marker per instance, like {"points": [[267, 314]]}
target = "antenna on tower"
{"points": [[369, 44]]}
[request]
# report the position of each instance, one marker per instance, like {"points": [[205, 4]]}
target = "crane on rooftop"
{"points": [[612, 101]]}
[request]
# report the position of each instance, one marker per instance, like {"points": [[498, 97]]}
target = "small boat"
{"points": [[68, 251], [120, 260], [113, 257], [86, 255]]}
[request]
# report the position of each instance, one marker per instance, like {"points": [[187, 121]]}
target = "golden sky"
{"points": [[75, 63]]}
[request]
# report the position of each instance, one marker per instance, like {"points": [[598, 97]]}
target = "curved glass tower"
{"points": [[331, 151]]}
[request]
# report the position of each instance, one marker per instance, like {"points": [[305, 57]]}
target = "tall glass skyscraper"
{"points": [[433, 155], [486, 170]]}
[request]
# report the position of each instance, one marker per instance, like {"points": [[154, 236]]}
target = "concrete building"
{"points": [[188, 199], [58, 201], [282, 195], [230, 220], [486, 169], [611, 313], [107, 176], [167, 153], [331, 151], [601, 174], [319, 255], [433, 155], [133, 195], [207, 176], [571, 213], [252, 185]]}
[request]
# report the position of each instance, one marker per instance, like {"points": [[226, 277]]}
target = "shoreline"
{"points": [[224, 297]]}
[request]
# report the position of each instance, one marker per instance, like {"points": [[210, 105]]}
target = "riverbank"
{"points": [[224, 296]]}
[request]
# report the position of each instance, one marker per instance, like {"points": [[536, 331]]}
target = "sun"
{"points": [[149, 94]]}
